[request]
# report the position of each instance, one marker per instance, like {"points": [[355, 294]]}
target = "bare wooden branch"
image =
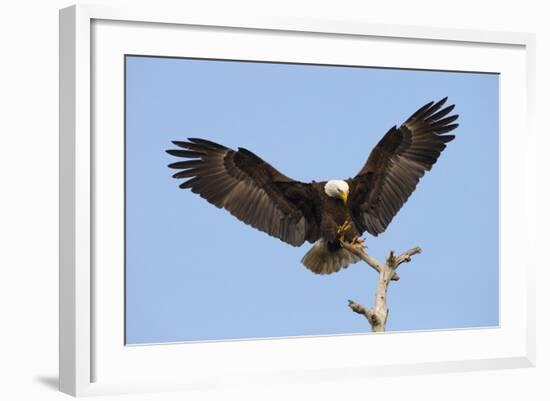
{"points": [[360, 309], [365, 257], [378, 315], [405, 257]]}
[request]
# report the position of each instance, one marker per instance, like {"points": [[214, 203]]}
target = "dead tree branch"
{"points": [[378, 315]]}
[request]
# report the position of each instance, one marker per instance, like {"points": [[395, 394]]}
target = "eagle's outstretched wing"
{"points": [[249, 188], [396, 164]]}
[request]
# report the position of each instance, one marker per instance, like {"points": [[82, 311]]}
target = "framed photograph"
{"points": [[278, 201]]}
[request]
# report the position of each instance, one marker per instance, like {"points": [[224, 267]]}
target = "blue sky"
{"points": [[194, 272]]}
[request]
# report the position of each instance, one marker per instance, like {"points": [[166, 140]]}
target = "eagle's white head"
{"points": [[338, 189]]}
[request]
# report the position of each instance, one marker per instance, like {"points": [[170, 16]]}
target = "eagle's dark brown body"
{"points": [[334, 213], [295, 212]]}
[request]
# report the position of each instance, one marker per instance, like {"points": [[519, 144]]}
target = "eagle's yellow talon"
{"points": [[343, 229], [358, 242]]}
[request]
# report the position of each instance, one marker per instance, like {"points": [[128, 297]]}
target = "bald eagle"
{"points": [[323, 213]]}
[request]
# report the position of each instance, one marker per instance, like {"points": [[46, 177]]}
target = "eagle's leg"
{"points": [[343, 229], [356, 241]]}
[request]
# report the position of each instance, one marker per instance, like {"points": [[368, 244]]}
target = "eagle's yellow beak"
{"points": [[345, 197]]}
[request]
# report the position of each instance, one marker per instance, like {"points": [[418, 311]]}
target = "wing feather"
{"points": [[396, 165], [249, 188]]}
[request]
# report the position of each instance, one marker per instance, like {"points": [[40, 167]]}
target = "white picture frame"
{"points": [[93, 358]]}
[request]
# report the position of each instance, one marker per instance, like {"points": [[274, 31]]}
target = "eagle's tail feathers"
{"points": [[322, 260]]}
